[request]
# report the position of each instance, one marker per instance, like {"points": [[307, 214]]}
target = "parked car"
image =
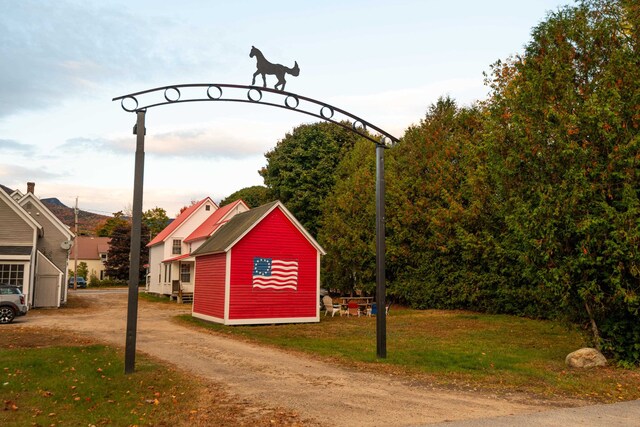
{"points": [[12, 303], [81, 282]]}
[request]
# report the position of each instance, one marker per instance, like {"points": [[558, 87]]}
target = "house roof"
{"points": [[6, 189], [15, 206], [15, 250], [30, 197], [90, 247], [166, 232], [177, 258], [215, 221], [238, 226]]}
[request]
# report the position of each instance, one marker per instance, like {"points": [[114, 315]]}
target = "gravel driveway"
{"points": [[329, 394]]}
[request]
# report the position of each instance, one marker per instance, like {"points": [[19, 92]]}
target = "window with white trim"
{"points": [[167, 273], [185, 273], [177, 247], [13, 274]]}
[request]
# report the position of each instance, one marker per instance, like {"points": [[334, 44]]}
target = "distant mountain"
{"points": [[87, 221], [52, 201]]}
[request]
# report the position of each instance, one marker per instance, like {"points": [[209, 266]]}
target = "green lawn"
{"points": [[463, 349], [86, 385], [75, 383]]}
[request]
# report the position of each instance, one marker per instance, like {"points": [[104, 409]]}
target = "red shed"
{"points": [[260, 267]]}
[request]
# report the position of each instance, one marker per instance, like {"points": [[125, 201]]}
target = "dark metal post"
{"points": [[134, 257], [381, 317]]}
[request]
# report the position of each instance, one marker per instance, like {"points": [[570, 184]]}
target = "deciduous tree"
{"points": [[300, 169], [156, 220], [254, 196], [106, 229]]}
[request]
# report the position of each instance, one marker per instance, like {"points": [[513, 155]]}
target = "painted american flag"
{"points": [[269, 273]]}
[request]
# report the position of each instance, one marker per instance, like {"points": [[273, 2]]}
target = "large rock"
{"points": [[585, 358]]}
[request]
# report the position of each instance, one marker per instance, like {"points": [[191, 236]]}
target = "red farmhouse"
{"points": [[260, 267]]}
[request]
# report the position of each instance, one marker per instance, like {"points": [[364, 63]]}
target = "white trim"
{"points": [[291, 218], [318, 284], [22, 213], [225, 218], [208, 318], [272, 320], [15, 257], [17, 193], [193, 297], [41, 256], [172, 233], [227, 285], [52, 218]]}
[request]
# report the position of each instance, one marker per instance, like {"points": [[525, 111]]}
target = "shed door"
{"points": [[45, 293]]}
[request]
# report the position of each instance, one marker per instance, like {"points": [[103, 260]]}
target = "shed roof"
{"points": [[242, 223]]}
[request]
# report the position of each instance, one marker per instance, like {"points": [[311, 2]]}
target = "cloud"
{"points": [[191, 143], [204, 142], [395, 110], [15, 147], [17, 176], [52, 51], [86, 144]]}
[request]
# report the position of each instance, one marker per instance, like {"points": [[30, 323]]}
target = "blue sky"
{"points": [[63, 61]]}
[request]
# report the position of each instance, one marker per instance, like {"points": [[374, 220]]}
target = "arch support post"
{"points": [[136, 236], [381, 316]]}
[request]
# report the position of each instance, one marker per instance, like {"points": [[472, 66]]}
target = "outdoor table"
{"points": [[363, 302]]}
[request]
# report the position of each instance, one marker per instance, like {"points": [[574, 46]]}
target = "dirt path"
{"points": [[329, 394]]}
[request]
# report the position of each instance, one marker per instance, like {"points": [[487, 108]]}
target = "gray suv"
{"points": [[12, 303]]}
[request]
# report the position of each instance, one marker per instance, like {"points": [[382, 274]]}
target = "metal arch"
{"points": [[291, 101], [173, 94]]}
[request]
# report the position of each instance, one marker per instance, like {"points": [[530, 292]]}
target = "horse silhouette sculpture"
{"points": [[265, 67]]}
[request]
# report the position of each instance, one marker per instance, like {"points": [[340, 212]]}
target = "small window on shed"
{"points": [[207, 208]]}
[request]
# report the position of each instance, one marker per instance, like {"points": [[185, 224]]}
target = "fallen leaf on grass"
{"points": [[10, 405]]}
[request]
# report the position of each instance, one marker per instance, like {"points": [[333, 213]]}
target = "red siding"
{"points": [[274, 237], [209, 285]]}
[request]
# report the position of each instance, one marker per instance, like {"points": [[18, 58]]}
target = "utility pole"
{"points": [[75, 250]]}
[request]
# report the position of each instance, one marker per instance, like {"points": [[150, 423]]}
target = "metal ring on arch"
{"points": [[166, 96], [295, 98], [259, 93], [356, 124], [127, 109], [209, 92], [325, 116]]}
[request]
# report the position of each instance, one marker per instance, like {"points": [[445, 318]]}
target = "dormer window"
{"points": [[207, 207], [177, 247]]}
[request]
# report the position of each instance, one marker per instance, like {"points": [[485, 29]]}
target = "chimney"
{"points": [[31, 187]]}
